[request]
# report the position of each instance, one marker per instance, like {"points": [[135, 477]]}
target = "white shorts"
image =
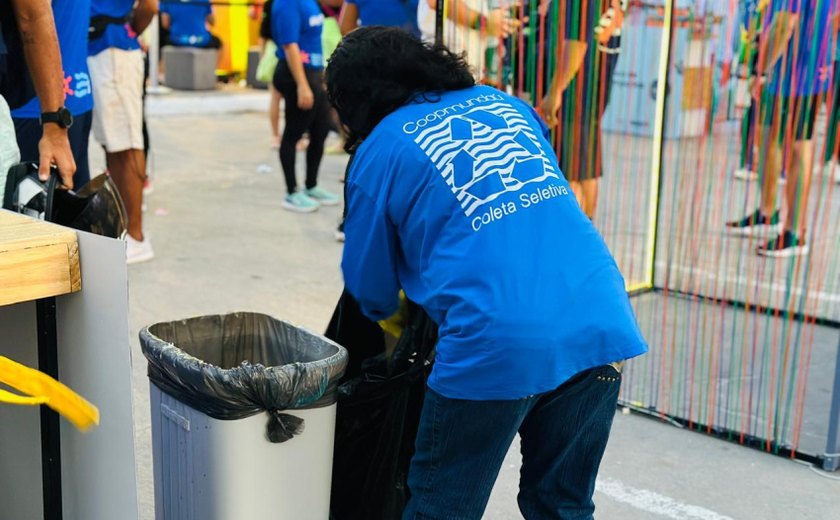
{"points": [[117, 77]]}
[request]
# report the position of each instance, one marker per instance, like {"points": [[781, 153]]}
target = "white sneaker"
{"points": [[137, 251], [743, 174]]}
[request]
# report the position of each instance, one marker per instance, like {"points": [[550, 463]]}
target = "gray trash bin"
{"points": [[243, 417]]}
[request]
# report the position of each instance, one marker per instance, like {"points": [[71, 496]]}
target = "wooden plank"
{"points": [[37, 259]]}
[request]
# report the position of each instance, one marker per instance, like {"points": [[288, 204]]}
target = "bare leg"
{"points": [[799, 186], [274, 113], [770, 166], [128, 170], [577, 189], [589, 188]]}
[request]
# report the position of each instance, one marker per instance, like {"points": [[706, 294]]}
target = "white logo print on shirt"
{"points": [[484, 152]]}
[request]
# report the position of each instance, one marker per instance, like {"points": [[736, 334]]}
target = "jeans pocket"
{"points": [[607, 374], [583, 381]]}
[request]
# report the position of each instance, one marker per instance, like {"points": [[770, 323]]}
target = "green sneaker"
{"points": [[300, 202], [322, 196]]}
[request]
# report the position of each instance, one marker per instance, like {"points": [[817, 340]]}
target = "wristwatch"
{"points": [[62, 117]]}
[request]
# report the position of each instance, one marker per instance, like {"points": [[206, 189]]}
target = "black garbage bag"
{"points": [[379, 406], [237, 365], [96, 208]]}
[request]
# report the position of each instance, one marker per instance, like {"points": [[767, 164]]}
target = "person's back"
{"points": [[390, 13], [188, 22], [494, 245], [455, 196]]}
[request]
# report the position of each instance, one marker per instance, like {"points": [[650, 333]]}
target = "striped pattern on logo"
{"points": [[489, 147]]}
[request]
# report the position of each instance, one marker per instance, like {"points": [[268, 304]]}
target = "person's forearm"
{"points": [[349, 18], [775, 42], [461, 15], [295, 62], [40, 47], [570, 54], [143, 15], [464, 15]]}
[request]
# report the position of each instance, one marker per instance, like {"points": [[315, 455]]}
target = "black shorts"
{"points": [[798, 111]]}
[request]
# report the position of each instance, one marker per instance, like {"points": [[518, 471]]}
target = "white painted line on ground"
{"points": [[651, 502]]}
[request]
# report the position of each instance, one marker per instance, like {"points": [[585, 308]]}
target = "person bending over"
{"points": [[455, 196]]}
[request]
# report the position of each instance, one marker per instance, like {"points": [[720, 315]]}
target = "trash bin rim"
{"points": [[339, 357]]}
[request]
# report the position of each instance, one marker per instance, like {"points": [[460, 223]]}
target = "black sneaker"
{"points": [[785, 245], [755, 225]]}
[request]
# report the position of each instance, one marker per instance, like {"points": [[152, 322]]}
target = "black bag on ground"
{"points": [[237, 365], [379, 405]]}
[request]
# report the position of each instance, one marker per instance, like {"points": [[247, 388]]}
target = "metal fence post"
{"points": [[832, 448]]}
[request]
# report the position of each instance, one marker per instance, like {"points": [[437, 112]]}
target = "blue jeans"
{"points": [[461, 446]]}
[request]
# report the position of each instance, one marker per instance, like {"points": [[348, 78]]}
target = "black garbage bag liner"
{"points": [[379, 406], [237, 365]]}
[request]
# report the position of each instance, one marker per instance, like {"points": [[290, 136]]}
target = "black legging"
{"points": [[316, 121]]}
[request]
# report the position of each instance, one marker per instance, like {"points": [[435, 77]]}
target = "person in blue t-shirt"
{"points": [[390, 13], [71, 21], [187, 23], [455, 196], [116, 66], [296, 29], [793, 77], [30, 57]]}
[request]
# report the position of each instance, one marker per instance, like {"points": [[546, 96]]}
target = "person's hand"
{"points": [[54, 148], [305, 98], [550, 109], [500, 24]]}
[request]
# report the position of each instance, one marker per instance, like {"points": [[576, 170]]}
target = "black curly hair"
{"points": [[376, 70]]}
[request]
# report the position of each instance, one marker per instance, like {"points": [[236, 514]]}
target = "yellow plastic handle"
{"points": [[39, 388], [10, 398]]}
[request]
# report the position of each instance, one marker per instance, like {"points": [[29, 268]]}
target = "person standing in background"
{"points": [[832, 145], [296, 27], [793, 77], [470, 27], [390, 13], [579, 89], [71, 19], [28, 35], [187, 23], [117, 72]]}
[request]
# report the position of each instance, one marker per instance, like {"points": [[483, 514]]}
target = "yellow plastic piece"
{"points": [[10, 398], [396, 323], [39, 388]]}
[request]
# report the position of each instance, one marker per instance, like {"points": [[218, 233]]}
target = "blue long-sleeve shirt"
{"points": [[461, 203]]}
